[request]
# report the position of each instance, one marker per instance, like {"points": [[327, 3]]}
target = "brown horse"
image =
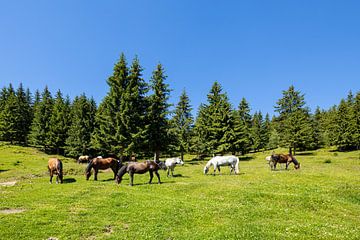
{"points": [[283, 158], [102, 163], [140, 168], [55, 166]]}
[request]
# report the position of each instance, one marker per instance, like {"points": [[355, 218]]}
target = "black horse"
{"points": [[140, 168]]}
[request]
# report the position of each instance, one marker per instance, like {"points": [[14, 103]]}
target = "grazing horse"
{"points": [[223, 161], [140, 168], [171, 164], [83, 159], [55, 166], [102, 163], [283, 158]]}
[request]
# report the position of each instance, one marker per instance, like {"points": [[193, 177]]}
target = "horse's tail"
{"points": [[121, 173], [59, 168], [237, 165], [89, 166]]}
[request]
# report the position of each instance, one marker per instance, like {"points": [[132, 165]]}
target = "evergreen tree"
{"points": [[133, 110], [8, 117], [344, 131], [357, 121], [59, 123], [110, 132], [182, 124], [245, 121], [257, 131], [294, 124], [266, 130], [158, 126], [40, 127], [23, 114], [199, 138], [82, 125]]}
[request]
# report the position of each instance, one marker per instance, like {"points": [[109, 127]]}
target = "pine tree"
{"points": [[266, 130], [158, 125], [357, 121], [82, 125], [245, 121], [59, 124], [344, 131], [8, 117], [182, 124], [215, 122], [40, 127], [110, 132], [257, 131], [200, 135], [294, 124]]}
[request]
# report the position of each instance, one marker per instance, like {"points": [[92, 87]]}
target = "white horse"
{"points": [[218, 161], [171, 164]]}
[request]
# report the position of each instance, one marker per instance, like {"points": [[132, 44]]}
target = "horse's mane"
{"points": [[294, 160]]}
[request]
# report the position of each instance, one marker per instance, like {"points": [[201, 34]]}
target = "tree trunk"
{"points": [[156, 155], [182, 156]]}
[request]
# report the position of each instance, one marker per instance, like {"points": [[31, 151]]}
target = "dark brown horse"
{"points": [[102, 163], [55, 167], [284, 158], [140, 168]]}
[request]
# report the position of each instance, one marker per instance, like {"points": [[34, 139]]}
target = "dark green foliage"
{"points": [[40, 128], [294, 123], [257, 131], [182, 124], [245, 122], [15, 114], [83, 112], [157, 127], [59, 123], [214, 125]]}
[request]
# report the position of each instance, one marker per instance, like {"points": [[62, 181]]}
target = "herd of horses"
{"points": [[132, 167]]}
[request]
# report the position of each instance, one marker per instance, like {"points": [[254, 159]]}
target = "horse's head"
{"points": [[179, 161], [161, 165], [206, 169], [88, 174], [297, 166]]}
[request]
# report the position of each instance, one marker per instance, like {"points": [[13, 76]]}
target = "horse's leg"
{"points": [[57, 178], [218, 167], [95, 173], [114, 170], [131, 174], [287, 164], [151, 176], [168, 172], [172, 171], [275, 165], [51, 176], [158, 176]]}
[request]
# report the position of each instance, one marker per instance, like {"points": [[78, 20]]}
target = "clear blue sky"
{"points": [[255, 49]]}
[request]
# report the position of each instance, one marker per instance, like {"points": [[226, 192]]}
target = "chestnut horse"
{"points": [[284, 158], [140, 168], [102, 163], [55, 167]]}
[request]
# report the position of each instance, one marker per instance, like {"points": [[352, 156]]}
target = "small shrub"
{"points": [[327, 161]]}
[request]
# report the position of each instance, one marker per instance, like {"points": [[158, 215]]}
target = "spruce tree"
{"points": [[294, 124], [344, 131], [357, 121], [40, 127], [182, 123], [59, 124], [157, 122], [8, 116], [257, 131], [82, 114], [245, 122]]}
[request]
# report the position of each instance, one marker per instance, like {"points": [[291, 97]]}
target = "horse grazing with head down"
{"points": [[55, 167], [83, 159], [102, 163], [171, 164], [218, 161], [283, 158], [140, 168]]}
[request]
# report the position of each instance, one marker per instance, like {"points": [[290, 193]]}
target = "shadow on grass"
{"points": [[3, 170], [304, 154], [69, 180], [246, 158], [107, 180], [179, 176], [146, 183]]}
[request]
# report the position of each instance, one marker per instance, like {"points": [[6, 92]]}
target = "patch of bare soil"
{"points": [[8, 184], [12, 211]]}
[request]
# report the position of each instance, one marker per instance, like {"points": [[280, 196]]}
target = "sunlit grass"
{"points": [[319, 201]]}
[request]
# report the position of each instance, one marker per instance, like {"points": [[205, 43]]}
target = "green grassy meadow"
{"points": [[319, 201]]}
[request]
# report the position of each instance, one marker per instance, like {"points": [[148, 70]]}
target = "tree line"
{"points": [[134, 118]]}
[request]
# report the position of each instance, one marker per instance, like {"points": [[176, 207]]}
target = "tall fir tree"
{"points": [[245, 123], [40, 127], [83, 112], [294, 124], [109, 135], [59, 124], [157, 114], [257, 131], [357, 121], [182, 124], [8, 116]]}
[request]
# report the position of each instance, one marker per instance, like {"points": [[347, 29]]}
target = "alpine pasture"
{"points": [[319, 201]]}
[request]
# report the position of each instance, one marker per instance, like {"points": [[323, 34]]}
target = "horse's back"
{"points": [[224, 160], [54, 164]]}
